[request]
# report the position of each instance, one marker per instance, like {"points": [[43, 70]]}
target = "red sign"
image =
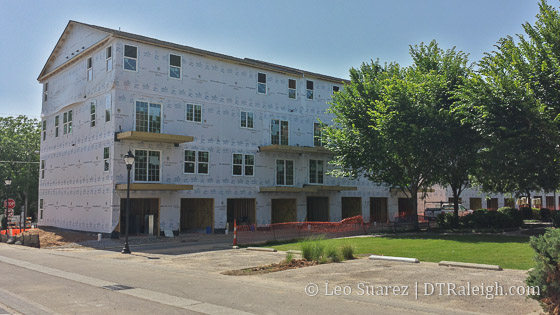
{"points": [[11, 203]]}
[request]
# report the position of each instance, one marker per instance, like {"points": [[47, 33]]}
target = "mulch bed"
{"points": [[294, 264]]}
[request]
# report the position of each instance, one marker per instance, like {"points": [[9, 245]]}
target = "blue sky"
{"points": [[323, 36]]}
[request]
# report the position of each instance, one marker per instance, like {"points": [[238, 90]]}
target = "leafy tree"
{"points": [[458, 142], [19, 156]]}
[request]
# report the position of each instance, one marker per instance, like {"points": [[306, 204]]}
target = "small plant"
{"points": [[546, 274], [332, 253], [347, 251], [312, 249], [289, 257]]}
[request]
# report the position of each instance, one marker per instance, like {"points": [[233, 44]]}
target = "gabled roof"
{"points": [[139, 38]]}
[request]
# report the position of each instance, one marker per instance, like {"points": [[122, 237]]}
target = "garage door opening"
{"points": [[378, 211], [243, 210], [318, 209], [351, 207], [197, 214], [284, 210], [144, 216]]}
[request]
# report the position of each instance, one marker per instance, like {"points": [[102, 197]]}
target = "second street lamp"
{"points": [[7, 182], [128, 160]]}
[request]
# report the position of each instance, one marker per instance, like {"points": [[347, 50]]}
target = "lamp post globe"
{"points": [[128, 160]]}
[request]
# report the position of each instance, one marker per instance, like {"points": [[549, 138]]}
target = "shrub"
{"points": [[332, 253], [504, 218], [527, 213], [536, 214], [289, 257], [545, 215], [556, 218], [514, 214], [313, 249], [347, 251], [546, 274]]}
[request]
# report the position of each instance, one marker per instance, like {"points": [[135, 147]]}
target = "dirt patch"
{"points": [[294, 264], [53, 238]]}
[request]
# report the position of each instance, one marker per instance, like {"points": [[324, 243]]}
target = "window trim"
{"points": [[246, 119], [294, 89], [67, 126], [89, 68], [276, 172], [147, 175], [196, 162], [187, 109], [307, 90], [110, 59], [180, 67], [279, 131], [93, 113], [265, 83], [160, 113], [56, 125], [107, 160], [243, 165], [309, 172], [124, 57]]}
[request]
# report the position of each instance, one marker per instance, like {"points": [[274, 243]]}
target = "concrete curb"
{"points": [[391, 258], [470, 265], [262, 249], [291, 251]]}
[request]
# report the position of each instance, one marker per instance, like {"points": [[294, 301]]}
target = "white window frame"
{"points": [[285, 172], [180, 67], [307, 90], [107, 159], [149, 122], [89, 68], [194, 106], [109, 58], [93, 112], [196, 162], [243, 164], [42, 169], [317, 172], [292, 89], [44, 129], [109, 107], [56, 125], [279, 131], [41, 206], [261, 83], [67, 125], [125, 57], [45, 91], [246, 114], [147, 168]]}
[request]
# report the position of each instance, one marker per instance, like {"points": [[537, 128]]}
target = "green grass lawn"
{"points": [[512, 252]]}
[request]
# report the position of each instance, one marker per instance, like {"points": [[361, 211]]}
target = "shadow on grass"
{"points": [[466, 238]]}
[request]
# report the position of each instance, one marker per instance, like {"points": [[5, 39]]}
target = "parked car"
{"points": [[432, 213]]}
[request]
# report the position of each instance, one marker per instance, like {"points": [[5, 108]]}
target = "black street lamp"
{"points": [[7, 182], [128, 160]]}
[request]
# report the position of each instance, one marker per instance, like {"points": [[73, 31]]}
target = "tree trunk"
{"points": [[414, 193]]}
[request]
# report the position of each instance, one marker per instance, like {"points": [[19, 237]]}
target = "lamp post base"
{"points": [[125, 249]]}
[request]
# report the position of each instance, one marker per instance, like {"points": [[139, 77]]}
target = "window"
{"points": [[147, 166], [109, 58], [284, 172], [130, 57], [335, 88], [316, 171], [194, 113], [174, 66], [261, 83], [279, 132], [56, 123], [45, 90], [243, 164], [196, 162], [106, 153], [309, 90], [41, 207], [89, 69], [148, 117], [44, 128], [292, 89], [108, 107], [42, 169], [92, 107], [247, 120], [318, 134], [67, 122]]}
